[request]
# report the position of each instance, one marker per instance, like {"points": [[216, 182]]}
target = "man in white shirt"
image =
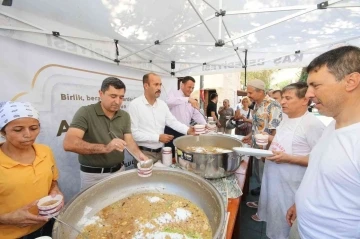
{"points": [[184, 108], [149, 116], [296, 135], [328, 199]]}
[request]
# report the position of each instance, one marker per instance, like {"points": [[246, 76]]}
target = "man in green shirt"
{"points": [[100, 132]]}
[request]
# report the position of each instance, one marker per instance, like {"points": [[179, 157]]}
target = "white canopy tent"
{"points": [[187, 37]]}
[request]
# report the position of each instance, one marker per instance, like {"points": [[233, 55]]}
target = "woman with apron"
{"points": [[296, 135]]}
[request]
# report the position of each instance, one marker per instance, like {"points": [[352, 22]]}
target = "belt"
{"points": [[88, 169], [150, 150]]}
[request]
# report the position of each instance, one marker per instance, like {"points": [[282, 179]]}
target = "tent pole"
{"points": [[202, 93], [210, 5], [245, 66], [270, 24], [232, 42], [202, 19], [220, 20], [289, 8], [186, 28], [283, 19], [173, 35], [273, 9]]}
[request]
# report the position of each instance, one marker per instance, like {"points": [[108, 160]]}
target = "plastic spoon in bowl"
{"points": [[72, 227], [143, 164]]}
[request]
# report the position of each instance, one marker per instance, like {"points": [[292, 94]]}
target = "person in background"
{"points": [[239, 105], [225, 112], [184, 108], [269, 92], [296, 135], [267, 116], [327, 201], [149, 116], [211, 109], [276, 95], [243, 117], [99, 133], [28, 173]]}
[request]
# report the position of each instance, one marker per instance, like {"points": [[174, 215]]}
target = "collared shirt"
{"points": [[96, 126], [21, 184], [182, 110], [266, 116], [149, 121]]}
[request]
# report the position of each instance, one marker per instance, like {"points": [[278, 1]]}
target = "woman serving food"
{"points": [[28, 173]]}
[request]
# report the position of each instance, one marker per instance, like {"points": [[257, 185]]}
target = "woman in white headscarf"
{"points": [[28, 172]]}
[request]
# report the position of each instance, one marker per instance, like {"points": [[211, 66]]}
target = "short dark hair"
{"points": [[299, 87], [276, 91], [146, 77], [213, 96], [114, 82], [340, 61], [186, 79]]}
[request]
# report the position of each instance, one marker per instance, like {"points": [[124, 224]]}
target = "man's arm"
{"points": [[133, 147], [213, 115], [291, 215], [172, 122], [74, 142], [215, 119], [198, 117], [299, 160], [281, 157], [174, 99]]}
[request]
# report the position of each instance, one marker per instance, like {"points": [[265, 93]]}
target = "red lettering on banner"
{"points": [[275, 146]]}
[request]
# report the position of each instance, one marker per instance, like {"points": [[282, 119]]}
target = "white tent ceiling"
{"points": [[275, 33]]}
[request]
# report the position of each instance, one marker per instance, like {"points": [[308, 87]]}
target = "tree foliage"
{"points": [[282, 84], [303, 75], [264, 75]]}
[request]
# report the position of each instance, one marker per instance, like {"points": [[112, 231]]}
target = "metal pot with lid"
{"points": [[208, 165]]}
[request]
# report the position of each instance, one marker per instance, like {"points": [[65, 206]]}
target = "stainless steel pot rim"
{"points": [[155, 169], [164, 170], [209, 135]]}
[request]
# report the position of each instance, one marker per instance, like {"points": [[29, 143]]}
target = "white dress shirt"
{"points": [[148, 122], [182, 110]]}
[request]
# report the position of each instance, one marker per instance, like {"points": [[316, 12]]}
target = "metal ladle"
{"points": [[143, 164], [72, 227]]}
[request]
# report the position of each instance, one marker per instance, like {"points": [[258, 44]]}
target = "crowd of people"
{"points": [[310, 187], [311, 183]]}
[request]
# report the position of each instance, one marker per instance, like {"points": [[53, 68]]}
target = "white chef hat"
{"points": [[12, 110]]}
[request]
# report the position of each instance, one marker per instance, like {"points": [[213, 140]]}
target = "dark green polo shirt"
{"points": [[92, 120]]}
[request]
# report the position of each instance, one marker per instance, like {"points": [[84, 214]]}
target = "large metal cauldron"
{"points": [[208, 165], [121, 185]]}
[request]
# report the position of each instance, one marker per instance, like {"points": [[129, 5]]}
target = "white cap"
{"points": [[258, 84]]}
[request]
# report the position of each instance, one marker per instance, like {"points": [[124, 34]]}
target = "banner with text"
{"points": [[57, 84]]}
